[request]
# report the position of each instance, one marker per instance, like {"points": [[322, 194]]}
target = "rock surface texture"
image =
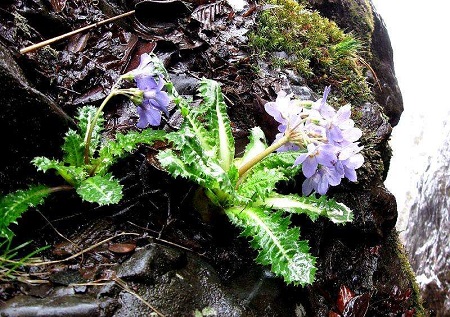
{"points": [[427, 240], [183, 264]]}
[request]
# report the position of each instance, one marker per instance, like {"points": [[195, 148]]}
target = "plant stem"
{"points": [[92, 124], [60, 188], [244, 168]]}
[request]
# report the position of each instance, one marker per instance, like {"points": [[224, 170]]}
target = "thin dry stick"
{"points": [[60, 37], [122, 284], [57, 232], [75, 255]]}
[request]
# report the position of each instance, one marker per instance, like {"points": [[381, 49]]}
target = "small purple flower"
{"points": [[285, 110], [323, 154], [322, 106], [154, 101], [329, 135], [321, 180], [280, 109], [145, 67], [350, 159]]}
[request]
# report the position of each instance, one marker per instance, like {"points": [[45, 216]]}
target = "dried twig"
{"points": [[72, 256], [63, 36]]}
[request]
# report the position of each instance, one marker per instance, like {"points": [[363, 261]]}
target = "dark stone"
{"points": [[150, 263], [73, 305], [181, 288], [388, 93], [30, 122]]}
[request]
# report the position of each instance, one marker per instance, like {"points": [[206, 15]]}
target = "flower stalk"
{"points": [[282, 141], [93, 122]]}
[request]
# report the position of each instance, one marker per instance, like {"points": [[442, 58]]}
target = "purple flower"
{"points": [[321, 180], [285, 110], [330, 138], [145, 67], [154, 101], [350, 159], [323, 154], [322, 106], [288, 113]]}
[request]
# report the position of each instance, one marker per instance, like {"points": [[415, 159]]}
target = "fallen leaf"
{"points": [[345, 295], [122, 247], [357, 306], [58, 5]]}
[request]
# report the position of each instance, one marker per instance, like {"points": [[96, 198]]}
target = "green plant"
{"points": [[90, 177], [245, 188], [316, 140], [9, 265]]}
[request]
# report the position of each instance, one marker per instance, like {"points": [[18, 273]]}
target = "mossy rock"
{"points": [[315, 47]]}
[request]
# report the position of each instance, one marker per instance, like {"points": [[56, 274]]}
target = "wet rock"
{"points": [[73, 305], [150, 263], [33, 123], [428, 235], [361, 17], [177, 283]]}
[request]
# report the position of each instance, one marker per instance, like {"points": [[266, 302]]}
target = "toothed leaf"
{"points": [[85, 117], [312, 206], [218, 122], [278, 244], [260, 183], [73, 148], [112, 150], [13, 205], [103, 190], [71, 174], [191, 162], [283, 161]]}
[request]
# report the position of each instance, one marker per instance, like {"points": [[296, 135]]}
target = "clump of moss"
{"points": [[317, 48]]}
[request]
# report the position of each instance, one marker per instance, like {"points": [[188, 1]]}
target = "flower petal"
{"points": [[309, 166], [148, 116], [145, 83]]}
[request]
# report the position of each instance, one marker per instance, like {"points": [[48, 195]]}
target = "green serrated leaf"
{"points": [[260, 183], [277, 244], [202, 135], [283, 161], [207, 170], [199, 169], [71, 174], [85, 117], [14, 204], [73, 148], [219, 123], [177, 168], [123, 144], [312, 206], [103, 190]]}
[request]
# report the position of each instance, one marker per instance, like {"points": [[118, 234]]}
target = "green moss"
{"points": [[318, 49], [409, 273], [362, 19]]}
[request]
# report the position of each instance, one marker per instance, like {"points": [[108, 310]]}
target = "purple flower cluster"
{"points": [[153, 100], [329, 137]]}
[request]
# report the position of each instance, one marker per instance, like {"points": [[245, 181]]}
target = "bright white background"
{"points": [[420, 34]]}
